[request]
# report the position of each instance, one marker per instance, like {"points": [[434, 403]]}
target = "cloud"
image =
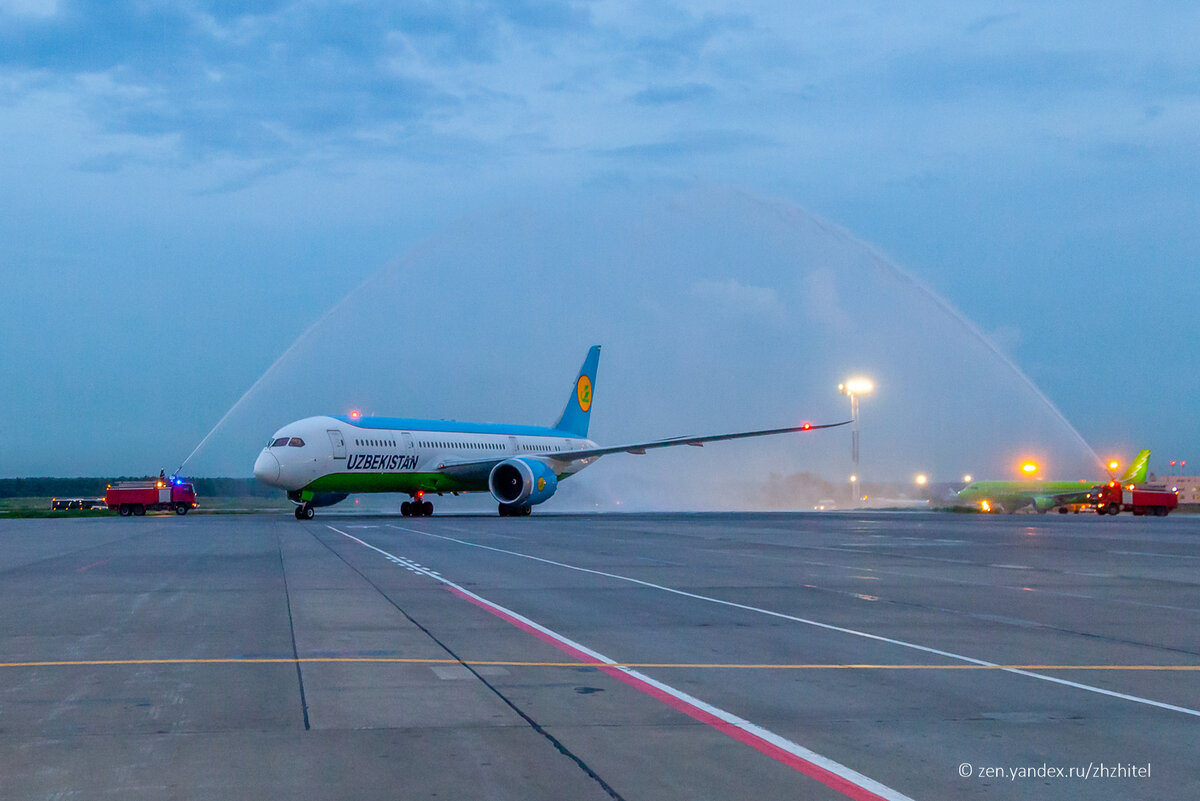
{"points": [[677, 93], [992, 20], [692, 143], [731, 298], [268, 79]]}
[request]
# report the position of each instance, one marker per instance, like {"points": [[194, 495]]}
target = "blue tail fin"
{"points": [[579, 406]]}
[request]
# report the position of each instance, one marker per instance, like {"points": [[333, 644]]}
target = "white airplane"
{"points": [[321, 460]]}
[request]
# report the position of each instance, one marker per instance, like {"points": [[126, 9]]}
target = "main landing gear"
{"points": [[305, 511], [508, 510], [416, 508]]}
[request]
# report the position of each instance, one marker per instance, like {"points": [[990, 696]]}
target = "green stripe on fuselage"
{"points": [[394, 482]]}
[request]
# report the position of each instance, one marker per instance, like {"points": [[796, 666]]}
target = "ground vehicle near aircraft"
{"points": [[1042, 496], [66, 504], [1113, 498], [320, 460], [139, 497]]}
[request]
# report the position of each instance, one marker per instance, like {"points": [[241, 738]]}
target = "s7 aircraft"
{"points": [[321, 460], [1042, 496]]}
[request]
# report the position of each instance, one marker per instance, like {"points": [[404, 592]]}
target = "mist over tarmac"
{"points": [[489, 320]]}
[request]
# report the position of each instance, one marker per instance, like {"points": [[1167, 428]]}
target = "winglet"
{"points": [[578, 411], [1136, 472]]}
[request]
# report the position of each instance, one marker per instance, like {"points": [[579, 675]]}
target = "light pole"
{"points": [[852, 389]]}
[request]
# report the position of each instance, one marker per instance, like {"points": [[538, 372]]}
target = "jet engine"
{"points": [[522, 481], [1042, 504]]}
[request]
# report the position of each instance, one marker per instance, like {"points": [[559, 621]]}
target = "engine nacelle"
{"points": [[522, 482], [1042, 504]]}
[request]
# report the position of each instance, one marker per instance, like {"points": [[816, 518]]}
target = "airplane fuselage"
{"points": [[342, 454]]}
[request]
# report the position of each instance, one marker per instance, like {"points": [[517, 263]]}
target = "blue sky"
{"points": [[207, 179]]}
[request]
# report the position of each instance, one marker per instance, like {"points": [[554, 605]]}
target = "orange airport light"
{"points": [[1029, 468], [1114, 464]]}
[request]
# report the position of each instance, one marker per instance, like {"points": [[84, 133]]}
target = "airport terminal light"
{"points": [[853, 388]]}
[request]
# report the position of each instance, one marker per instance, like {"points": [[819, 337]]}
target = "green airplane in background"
{"points": [[1009, 496]]}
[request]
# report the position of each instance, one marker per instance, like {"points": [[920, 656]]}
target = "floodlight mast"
{"points": [[852, 389]]}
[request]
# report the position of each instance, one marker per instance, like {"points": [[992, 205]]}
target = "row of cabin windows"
{"points": [[387, 443], [487, 446], [294, 442]]}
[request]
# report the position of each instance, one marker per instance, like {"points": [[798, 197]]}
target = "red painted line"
{"points": [[93, 564], [810, 769], [834, 775]]}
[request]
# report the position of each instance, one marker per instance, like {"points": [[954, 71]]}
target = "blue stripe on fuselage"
{"points": [[451, 426]]}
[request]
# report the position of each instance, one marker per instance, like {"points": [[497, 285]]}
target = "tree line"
{"points": [[50, 487]]}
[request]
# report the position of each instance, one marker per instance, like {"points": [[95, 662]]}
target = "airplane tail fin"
{"points": [[1136, 472], [578, 412]]}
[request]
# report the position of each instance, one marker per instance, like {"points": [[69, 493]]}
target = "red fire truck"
{"points": [[136, 497], [1113, 498]]}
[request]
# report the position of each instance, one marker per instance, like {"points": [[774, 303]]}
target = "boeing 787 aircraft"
{"points": [[321, 460]]}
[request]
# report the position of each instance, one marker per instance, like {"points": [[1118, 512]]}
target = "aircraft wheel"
{"points": [[504, 510], [1062, 510], [427, 508], [181, 508], [305, 511], [406, 509], [139, 510]]}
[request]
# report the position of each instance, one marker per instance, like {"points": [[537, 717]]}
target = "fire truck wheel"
{"points": [[181, 508], [139, 510], [124, 511], [1112, 508]]}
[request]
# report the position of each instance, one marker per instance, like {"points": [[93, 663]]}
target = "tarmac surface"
{"points": [[730, 656]]}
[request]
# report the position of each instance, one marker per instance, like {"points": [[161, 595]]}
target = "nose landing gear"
{"points": [[305, 511], [416, 507]]}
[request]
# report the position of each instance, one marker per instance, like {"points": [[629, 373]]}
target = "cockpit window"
{"points": [[279, 442], [296, 442]]}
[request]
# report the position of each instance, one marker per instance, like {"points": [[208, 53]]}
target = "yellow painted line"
{"points": [[513, 663]]}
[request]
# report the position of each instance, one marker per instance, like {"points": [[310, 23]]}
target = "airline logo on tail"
{"points": [[1136, 472], [583, 392]]}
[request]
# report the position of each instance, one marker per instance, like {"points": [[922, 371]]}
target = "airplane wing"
{"points": [[481, 467], [642, 447], [1042, 503]]}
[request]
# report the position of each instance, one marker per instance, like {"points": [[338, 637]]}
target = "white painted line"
{"points": [[833, 774], [827, 626]]}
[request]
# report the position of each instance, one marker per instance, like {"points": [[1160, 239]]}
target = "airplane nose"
{"points": [[266, 468]]}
